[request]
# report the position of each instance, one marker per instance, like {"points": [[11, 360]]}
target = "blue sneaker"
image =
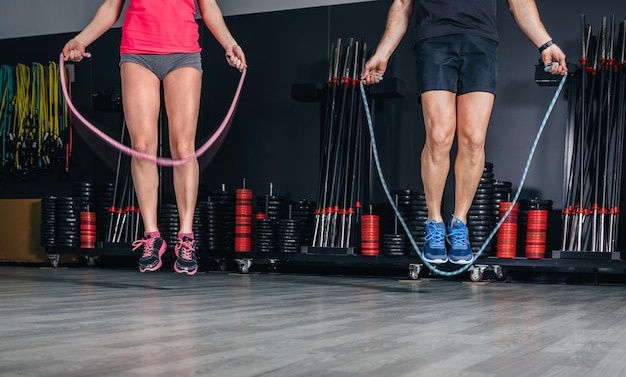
{"points": [[458, 237], [434, 243]]}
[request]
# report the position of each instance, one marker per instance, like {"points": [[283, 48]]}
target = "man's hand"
{"points": [[554, 54], [374, 68]]}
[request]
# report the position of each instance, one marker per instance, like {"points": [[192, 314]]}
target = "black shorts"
{"points": [[459, 63]]}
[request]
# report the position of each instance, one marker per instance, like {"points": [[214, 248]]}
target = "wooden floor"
{"points": [[117, 322]]}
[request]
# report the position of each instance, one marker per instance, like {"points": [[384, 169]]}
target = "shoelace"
{"points": [[185, 247], [433, 233], [147, 246], [458, 236]]}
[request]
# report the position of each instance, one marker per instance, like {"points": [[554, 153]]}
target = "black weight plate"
{"points": [[395, 248], [392, 236], [300, 208], [481, 223], [484, 207], [288, 228], [481, 240], [67, 226], [481, 217], [482, 228], [504, 184], [65, 200], [483, 196], [292, 225], [265, 227], [482, 202], [480, 236], [264, 230], [169, 223], [501, 197], [61, 212], [401, 192], [393, 252]]}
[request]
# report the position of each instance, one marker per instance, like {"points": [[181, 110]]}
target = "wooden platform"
{"points": [[83, 321]]}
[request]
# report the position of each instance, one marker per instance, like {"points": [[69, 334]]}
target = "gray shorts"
{"points": [[161, 65], [458, 63]]}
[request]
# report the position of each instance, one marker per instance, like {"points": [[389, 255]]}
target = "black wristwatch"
{"points": [[545, 45]]}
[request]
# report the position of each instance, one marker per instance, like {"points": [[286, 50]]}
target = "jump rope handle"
{"points": [[86, 54], [379, 78], [549, 66]]}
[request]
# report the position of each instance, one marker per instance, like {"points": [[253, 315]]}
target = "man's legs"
{"points": [[468, 116], [182, 89], [456, 75], [439, 109], [473, 112]]}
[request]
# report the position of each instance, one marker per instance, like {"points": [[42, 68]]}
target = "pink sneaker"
{"points": [[152, 250], [186, 261]]}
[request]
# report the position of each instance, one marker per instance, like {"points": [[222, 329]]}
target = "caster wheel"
{"points": [[273, 266], [414, 271], [476, 275], [92, 261], [499, 272], [54, 260], [244, 265], [222, 265]]}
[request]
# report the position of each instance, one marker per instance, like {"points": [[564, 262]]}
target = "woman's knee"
{"points": [[144, 145], [182, 148]]}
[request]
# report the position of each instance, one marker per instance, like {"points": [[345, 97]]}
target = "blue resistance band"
{"points": [[433, 267]]}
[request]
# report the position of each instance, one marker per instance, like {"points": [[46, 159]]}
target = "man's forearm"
{"points": [[397, 23], [526, 15]]}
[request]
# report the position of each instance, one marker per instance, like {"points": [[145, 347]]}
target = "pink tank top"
{"points": [[160, 27]]}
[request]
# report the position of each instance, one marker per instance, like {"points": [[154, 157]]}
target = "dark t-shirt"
{"points": [[435, 18]]}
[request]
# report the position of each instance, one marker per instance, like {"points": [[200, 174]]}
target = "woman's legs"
{"points": [[142, 101], [182, 88]]}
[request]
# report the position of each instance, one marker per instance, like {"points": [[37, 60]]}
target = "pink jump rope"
{"points": [[133, 153]]}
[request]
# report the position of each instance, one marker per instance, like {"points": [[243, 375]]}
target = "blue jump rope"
{"points": [[383, 182]]}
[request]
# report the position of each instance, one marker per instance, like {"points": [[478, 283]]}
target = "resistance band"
{"points": [[432, 267], [144, 156], [6, 108]]}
